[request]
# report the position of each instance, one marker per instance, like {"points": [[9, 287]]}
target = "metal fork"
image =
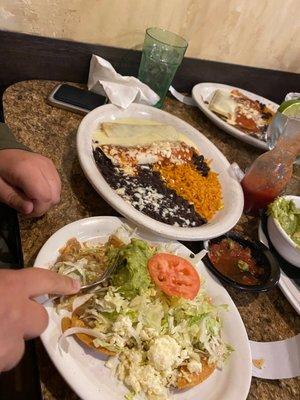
{"points": [[106, 274]]}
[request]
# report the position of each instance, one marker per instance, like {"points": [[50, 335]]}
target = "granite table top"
{"points": [[51, 131]]}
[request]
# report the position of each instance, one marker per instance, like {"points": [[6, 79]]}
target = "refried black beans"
{"points": [[200, 164], [147, 192]]}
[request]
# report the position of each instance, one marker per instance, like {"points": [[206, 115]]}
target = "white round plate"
{"points": [[232, 192], [202, 93], [287, 285], [85, 371]]}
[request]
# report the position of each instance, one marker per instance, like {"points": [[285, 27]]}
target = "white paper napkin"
{"points": [[120, 90], [279, 359]]}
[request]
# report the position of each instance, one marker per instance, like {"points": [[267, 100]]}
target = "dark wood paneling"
{"points": [[273, 85], [32, 57]]}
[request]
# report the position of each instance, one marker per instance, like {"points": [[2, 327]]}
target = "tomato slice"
{"points": [[174, 275]]}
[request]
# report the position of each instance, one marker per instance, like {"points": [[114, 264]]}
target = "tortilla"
{"points": [[67, 323], [137, 134], [193, 378], [136, 121]]}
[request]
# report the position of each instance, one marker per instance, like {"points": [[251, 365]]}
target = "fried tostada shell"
{"points": [[72, 322], [190, 381], [194, 379]]}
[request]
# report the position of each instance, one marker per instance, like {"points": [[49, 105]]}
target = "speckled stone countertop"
{"points": [[51, 132]]}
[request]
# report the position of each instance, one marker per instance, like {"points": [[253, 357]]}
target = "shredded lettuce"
{"points": [[84, 270], [125, 233], [193, 324]]}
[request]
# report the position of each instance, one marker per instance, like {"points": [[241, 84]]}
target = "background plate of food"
{"points": [[238, 112], [141, 334], [159, 172]]}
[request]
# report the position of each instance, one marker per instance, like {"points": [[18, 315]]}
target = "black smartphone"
{"points": [[75, 99]]}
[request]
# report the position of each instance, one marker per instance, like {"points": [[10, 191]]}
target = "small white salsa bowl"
{"points": [[285, 246]]}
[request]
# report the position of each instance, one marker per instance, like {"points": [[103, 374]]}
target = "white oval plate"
{"points": [[203, 93], [233, 197], [85, 371]]}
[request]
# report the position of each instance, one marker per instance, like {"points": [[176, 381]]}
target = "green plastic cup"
{"points": [[163, 52]]}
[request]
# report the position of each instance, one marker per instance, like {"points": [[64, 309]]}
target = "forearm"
{"points": [[8, 141]]}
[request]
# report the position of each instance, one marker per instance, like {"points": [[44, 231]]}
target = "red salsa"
{"points": [[235, 262]]}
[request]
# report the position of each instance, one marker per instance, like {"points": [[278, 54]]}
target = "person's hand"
{"points": [[22, 318], [29, 182]]}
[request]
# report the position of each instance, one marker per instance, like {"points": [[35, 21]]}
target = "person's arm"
{"points": [[7, 139]]}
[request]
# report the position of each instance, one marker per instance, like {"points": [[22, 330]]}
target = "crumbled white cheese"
{"points": [[122, 326], [120, 191], [164, 353], [149, 379], [148, 334], [130, 156], [194, 366], [139, 377]]}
